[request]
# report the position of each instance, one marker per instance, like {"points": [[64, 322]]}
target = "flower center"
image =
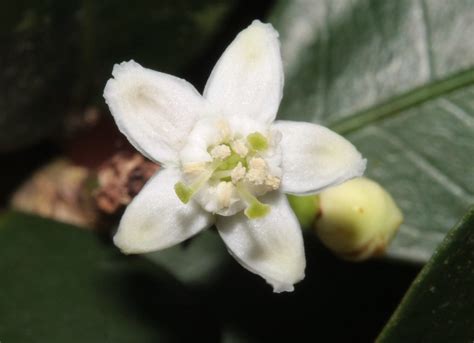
{"points": [[236, 176]]}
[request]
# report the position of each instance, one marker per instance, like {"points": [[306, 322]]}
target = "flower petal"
{"points": [[248, 78], [156, 218], [271, 247], [314, 158], [155, 111]]}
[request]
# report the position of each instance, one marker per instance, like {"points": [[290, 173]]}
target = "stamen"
{"points": [[237, 163], [238, 173], [224, 192], [257, 141], [273, 182], [221, 152], [255, 209], [224, 130], [185, 192], [257, 171], [240, 147]]}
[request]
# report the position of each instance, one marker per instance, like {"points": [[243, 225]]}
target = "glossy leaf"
{"points": [[439, 306], [396, 78], [63, 284]]}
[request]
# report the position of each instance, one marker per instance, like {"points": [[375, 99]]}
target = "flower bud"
{"points": [[357, 219]]}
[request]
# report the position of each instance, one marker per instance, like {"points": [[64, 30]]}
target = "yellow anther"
{"points": [[238, 173], [240, 147], [221, 152], [224, 192], [273, 182], [257, 172]]}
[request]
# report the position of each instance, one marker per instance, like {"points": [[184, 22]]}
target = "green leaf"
{"points": [[63, 284], [57, 53], [439, 306], [196, 262], [395, 77], [174, 34]]}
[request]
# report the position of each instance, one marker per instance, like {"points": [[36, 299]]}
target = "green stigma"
{"points": [[257, 210], [257, 141], [183, 192]]}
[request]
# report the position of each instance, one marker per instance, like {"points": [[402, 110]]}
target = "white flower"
{"points": [[225, 161]]}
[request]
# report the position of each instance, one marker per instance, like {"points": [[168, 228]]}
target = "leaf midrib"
{"points": [[404, 101]]}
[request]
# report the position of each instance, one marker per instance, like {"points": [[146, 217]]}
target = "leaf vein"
{"points": [[403, 102], [427, 166], [426, 39], [456, 111]]}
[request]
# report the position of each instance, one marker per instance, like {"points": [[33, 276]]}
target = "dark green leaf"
{"points": [[62, 284], [439, 306], [55, 53], [196, 262], [396, 77]]}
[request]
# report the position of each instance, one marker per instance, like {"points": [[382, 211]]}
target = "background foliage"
{"points": [[394, 77]]}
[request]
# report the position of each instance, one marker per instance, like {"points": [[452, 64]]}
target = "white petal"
{"points": [[156, 218], [314, 158], [271, 247], [155, 111], [248, 78]]}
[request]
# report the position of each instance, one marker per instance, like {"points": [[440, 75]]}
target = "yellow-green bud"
{"points": [[357, 219]]}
